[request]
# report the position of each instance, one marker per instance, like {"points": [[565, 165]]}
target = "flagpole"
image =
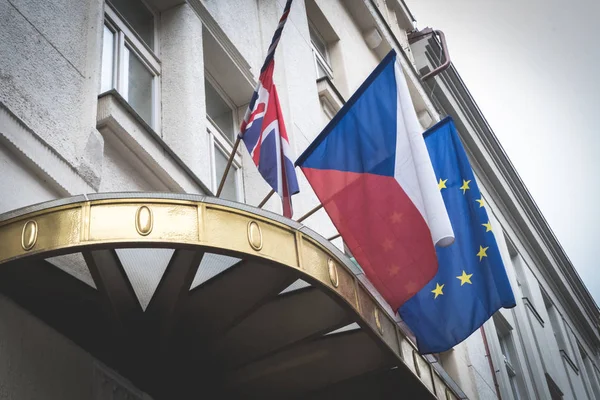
{"points": [[267, 197], [311, 212], [228, 166], [337, 235]]}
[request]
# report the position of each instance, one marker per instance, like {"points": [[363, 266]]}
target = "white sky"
{"points": [[532, 67]]}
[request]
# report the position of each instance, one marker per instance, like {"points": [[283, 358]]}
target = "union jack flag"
{"points": [[263, 130]]}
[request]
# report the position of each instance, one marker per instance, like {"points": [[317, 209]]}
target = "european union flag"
{"points": [[471, 283]]}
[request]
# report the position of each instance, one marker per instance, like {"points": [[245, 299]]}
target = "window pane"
{"points": [[108, 51], [229, 189], [139, 17], [318, 43], [139, 87], [218, 111]]}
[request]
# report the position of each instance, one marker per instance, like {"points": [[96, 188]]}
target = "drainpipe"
{"points": [[418, 35], [489, 357]]}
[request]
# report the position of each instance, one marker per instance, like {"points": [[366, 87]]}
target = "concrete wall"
{"points": [[49, 72], [351, 47], [182, 83], [243, 23]]}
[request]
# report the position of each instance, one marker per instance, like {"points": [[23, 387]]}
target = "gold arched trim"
{"points": [[185, 221]]}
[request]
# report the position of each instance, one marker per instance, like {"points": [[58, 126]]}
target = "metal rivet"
{"points": [[144, 221], [333, 274], [255, 236], [29, 235], [378, 321]]}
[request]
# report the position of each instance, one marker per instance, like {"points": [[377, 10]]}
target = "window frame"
{"points": [[234, 110], [131, 32], [115, 54], [126, 38], [220, 141], [507, 344], [321, 60]]}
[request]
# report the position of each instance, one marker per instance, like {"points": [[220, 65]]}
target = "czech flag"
{"points": [[371, 171]]}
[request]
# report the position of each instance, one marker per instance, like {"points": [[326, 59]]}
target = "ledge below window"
{"points": [[569, 361], [118, 122], [534, 312], [331, 99]]}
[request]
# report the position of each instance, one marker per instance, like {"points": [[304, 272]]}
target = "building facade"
{"points": [[147, 96]]}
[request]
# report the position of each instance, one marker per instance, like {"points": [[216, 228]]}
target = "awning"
{"points": [[193, 296]]}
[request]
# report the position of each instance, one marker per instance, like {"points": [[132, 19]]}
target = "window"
{"points": [[222, 132], [509, 354], [588, 370], [139, 17], [320, 53], [555, 321], [220, 151], [520, 272], [510, 370], [129, 64], [219, 111], [230, 189]]}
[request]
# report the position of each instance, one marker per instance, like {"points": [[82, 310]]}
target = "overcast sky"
{"points": [[532, 67]]}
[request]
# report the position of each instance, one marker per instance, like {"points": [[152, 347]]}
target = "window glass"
{"points": [[318, 43], [128, 66], [138, 88], [108, 53], [219, 111], [230, 188], [139, 17], [320, 53]]}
